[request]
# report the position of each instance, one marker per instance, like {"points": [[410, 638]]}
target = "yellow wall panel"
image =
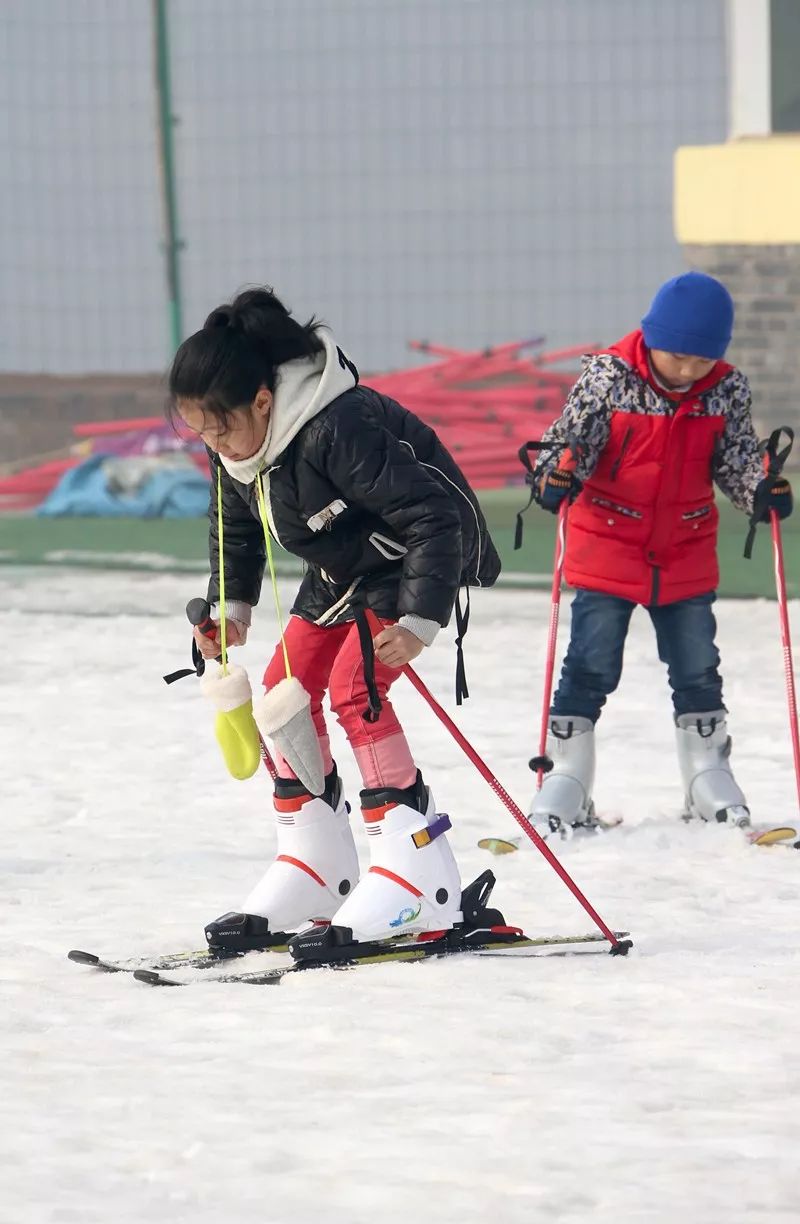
{"points": [[745, 192]]}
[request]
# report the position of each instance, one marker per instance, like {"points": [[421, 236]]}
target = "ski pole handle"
{"points": [[775, 455], [198, 612]]}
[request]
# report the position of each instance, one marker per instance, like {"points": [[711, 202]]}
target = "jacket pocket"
{"points": [[691, 515], [601, 518], [695, 525], [605, 503]]}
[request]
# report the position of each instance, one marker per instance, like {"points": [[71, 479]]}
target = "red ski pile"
{"points": [[485, 404]]}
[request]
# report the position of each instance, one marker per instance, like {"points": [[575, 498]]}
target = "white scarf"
{"points": [[304, 387]]}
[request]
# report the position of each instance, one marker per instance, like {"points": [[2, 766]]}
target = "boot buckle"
{"points": [[425, 836]]}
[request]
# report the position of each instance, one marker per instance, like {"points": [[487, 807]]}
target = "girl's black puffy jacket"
{"points": [[373, 503]]}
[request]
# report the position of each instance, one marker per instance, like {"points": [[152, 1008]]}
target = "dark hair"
{"points": [[237, 352]]}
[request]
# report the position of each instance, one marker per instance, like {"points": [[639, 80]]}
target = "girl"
{"points": [[381, 515]]}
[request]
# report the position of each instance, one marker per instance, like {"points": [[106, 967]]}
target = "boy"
{"points": [[652, 421]]}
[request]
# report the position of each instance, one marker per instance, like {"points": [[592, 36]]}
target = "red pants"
{"points": [[330, 658]]}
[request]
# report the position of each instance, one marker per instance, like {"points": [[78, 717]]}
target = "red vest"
{"points": [[644, 526]]}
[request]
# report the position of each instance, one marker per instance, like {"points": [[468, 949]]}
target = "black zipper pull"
{"points": [[625, 443]]}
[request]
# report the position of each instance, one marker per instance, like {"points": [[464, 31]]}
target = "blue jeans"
{"points": [[593, 664]]}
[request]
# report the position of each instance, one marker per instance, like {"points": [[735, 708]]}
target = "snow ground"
{"points": [[661, 1088]]}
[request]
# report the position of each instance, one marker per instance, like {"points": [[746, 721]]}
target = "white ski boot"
{"points": [[564, 803], [704, 749], [413, 883], [315, 867]]}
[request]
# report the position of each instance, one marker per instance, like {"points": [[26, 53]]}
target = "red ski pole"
{"points": [[786, 642], [618, 947], [774, 460], [542, 762], [267, 760]]}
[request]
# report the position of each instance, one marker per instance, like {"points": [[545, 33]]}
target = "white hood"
{"points": [[303, 389]]}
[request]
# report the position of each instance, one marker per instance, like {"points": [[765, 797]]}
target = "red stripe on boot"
{"points": [[372, 815], [293, 803], [390, 875], [287, 858]]}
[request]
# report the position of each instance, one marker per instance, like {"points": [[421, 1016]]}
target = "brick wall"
{"points": [[765, 284]]}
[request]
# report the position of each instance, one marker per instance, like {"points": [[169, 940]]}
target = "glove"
{"points": [[773, 493], [557, 485]]}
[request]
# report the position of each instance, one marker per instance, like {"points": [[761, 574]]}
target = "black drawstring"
{"points": [[776, 460], [374, 706], [572, 444], [462, 624], [197, 669], [524, 458]]}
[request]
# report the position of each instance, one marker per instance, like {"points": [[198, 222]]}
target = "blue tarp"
{"points": [[162, 490]]}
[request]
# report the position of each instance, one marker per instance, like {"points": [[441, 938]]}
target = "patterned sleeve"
{"points": [[738, 466], [585, 418]]}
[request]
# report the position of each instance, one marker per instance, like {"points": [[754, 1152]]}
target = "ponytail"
{"points": [[238, 351]]}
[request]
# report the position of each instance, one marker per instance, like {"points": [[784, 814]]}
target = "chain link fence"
{"points": [[466, 171]]}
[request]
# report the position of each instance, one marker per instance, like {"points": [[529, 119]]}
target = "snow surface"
{"points": [[664, 1087]]}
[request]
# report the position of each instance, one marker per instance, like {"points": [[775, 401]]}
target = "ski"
{"points": [[202, 958], [763, 834], [411, 950], [760, 835], [507, 845], [775, 835]]}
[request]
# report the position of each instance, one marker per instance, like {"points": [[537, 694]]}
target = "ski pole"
{"points": [[542, 763], [618, 947], [198, 612], [786, 642], [774, 460]]}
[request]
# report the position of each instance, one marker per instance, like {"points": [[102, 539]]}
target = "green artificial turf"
{"points": [[180, 544]]}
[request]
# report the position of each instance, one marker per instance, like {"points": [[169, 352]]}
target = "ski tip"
{"points": [[772, 837], [82, 958], [498, 845], [621, 948], [152, 978]]}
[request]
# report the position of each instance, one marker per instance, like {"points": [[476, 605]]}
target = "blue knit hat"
{"points": [[691, 314]]}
